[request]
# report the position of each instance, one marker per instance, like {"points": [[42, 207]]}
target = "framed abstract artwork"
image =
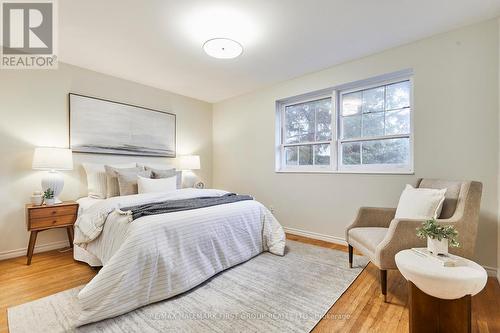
{"points": [[107, 127]]}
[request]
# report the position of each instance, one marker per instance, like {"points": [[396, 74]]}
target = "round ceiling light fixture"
{"points": [[223, 48]]}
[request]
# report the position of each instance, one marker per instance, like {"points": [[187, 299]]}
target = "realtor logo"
{"points": [[28, 34]]}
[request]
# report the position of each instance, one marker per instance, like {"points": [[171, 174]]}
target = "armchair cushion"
{"points": [[367, 238], [420, 203]]}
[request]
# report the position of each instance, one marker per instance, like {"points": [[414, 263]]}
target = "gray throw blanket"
{"points": [[170, 206]]}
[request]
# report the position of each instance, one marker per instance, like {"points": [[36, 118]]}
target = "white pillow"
{"points": [[162, 171], [420, 203], [149, 185], [96, 178]]}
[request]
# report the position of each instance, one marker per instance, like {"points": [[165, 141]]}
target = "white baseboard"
{"points": [[492, 271], [38, 248], [315, 235]]}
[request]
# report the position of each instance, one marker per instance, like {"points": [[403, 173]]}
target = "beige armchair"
{"points": [[379, 236]]}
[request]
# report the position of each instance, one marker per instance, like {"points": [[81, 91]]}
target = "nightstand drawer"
{"points": [[48, 222], [53, 211]]}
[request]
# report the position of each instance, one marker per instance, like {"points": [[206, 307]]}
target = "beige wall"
{"points": [[34, 112], [456, 135], [498, 242]]}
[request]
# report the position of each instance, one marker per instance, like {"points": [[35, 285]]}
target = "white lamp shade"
{"points": [[189, 162], [52, 159]]}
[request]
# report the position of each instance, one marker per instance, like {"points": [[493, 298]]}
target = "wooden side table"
{"points": [[40, 218], [440, 297]]}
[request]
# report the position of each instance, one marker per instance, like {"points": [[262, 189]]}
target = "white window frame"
{"points": [[282, 145], [336, 94], [388, 168]]}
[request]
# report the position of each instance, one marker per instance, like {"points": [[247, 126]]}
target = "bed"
{"points": [[155, 257]]}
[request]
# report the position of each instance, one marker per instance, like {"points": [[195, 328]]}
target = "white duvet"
{"points": [[159, 256]]}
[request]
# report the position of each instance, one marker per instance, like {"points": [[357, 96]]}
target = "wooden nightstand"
{"points": [[40, 218]]}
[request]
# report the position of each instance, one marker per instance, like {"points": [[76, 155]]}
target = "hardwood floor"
{"points": [[360, 309], [49, 273], [367, 312]]}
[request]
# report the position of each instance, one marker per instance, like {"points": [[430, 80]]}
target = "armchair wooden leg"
{"points": [[383, 283], [350, 256]]}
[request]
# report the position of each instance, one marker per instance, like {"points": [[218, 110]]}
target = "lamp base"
{"points": [[188, 178], [55, 181]]}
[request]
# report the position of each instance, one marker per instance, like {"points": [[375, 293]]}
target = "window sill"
{"points": [[388, 172]]}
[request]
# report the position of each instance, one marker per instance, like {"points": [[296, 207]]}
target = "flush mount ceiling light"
{"points": [[222, 48]]}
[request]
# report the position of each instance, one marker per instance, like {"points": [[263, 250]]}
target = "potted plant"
{"points": [[48, 197], [438, 237]]}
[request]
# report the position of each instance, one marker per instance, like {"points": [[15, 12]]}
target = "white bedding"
{"points": [[159, 256], [86, 202], [80, 253]]}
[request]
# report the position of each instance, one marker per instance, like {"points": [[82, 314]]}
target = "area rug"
{"points": [[265, 294]]}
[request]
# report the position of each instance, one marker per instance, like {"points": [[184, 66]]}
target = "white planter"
{"points": [[50, 202], [437, 246]]}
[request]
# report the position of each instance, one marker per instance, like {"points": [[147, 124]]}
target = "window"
{"points": [[375, 127], [356, 128], [307, 134]]}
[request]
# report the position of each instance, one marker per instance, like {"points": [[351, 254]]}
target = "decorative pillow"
{"points": [[149, 185], [420, 203], [166, 173], [157, 166], [113, 190], [157, 174], [127, 180], [96, 178]]}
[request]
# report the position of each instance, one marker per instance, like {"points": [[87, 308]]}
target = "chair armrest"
{"points": [[402, 235], [372, 217]]}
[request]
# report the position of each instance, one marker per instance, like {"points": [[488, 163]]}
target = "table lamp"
{"points": [[53, 160], [188, 163]]}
